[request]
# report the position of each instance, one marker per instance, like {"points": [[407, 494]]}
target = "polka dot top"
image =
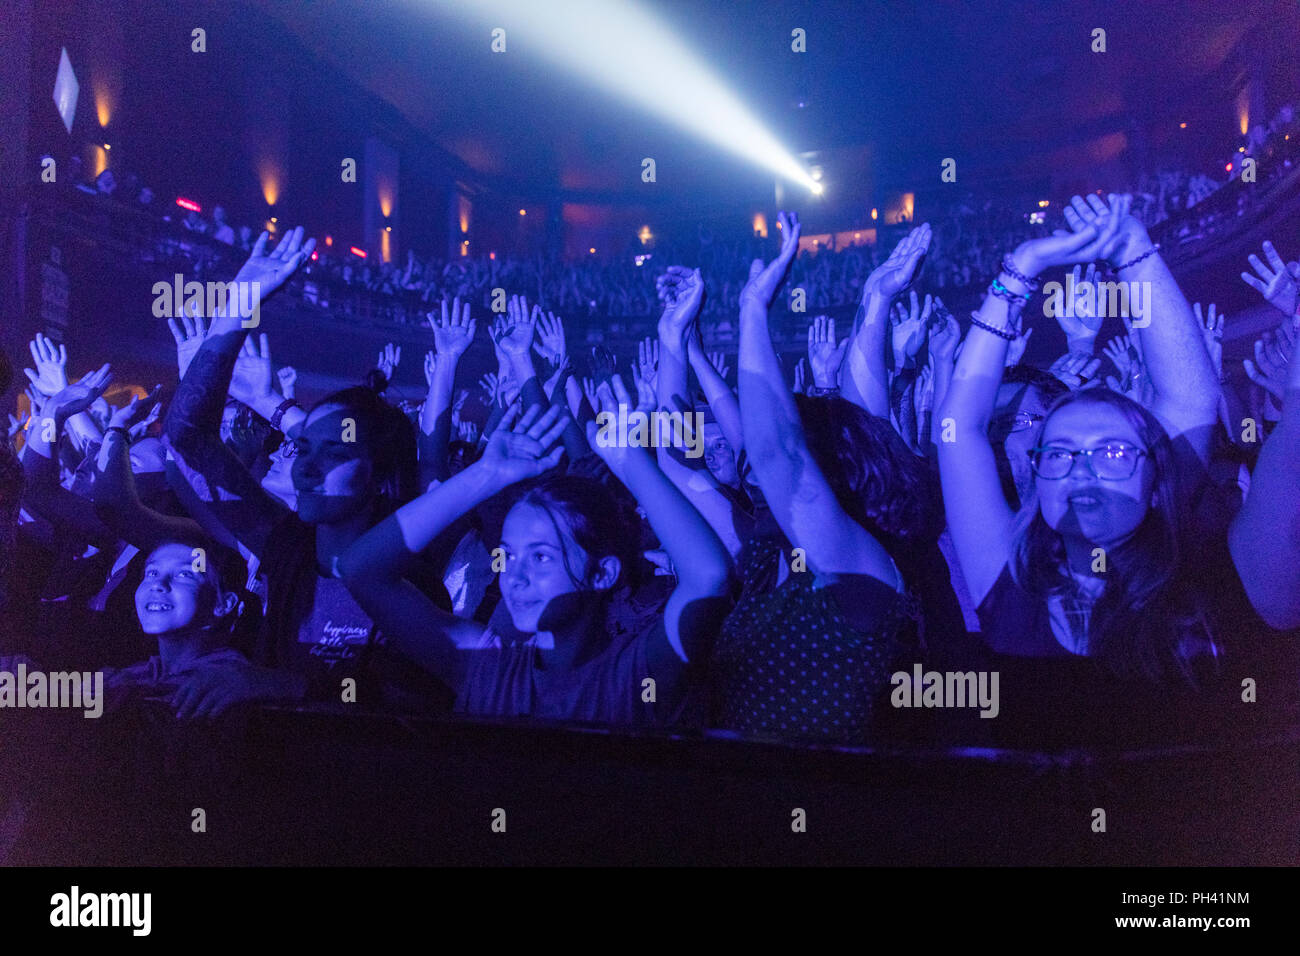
{"points": [[791, 663]]}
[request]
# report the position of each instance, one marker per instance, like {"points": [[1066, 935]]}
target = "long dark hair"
{"points": [[595, 520], [390, 438], [1137, 625], [876, 478]]}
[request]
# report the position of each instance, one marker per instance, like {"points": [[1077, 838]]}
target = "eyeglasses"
{"points": [[1010, 424], [1113, 461]]}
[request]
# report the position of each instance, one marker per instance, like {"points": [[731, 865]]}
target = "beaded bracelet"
{"points": [[283, 407], [1009, 267], [1002, 292], [1010, 336], [1133, 262]]}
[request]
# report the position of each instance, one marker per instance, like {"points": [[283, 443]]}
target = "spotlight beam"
{"points": [[621, 47]]}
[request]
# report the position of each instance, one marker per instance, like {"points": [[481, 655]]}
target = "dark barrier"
{"points": [[303, 786]]}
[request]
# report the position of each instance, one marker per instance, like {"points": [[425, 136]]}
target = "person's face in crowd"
{"points": [[278, 480], [331, 475], [173, 596], [1014, 430], [106, 183], [1101, 511], [536, 577], [219, 215], [719, 455]]}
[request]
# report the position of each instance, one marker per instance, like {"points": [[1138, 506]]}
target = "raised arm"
{"points": [[1185, 386], [866, 379], [1264, 538], [698, 602], [800, 497], [42, 493], [453, 333], [373, 566], [193, 423], [979, 518], [116, 501]]}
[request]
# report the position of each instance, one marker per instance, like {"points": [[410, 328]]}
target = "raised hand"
{"points": [[468, 432], [893, 275], [189, 333], [646, 398], [51, 373], [388, 360], [453, 331], [1082, 327], [719, 362], [287, 376], [457, 404], [764, 281], [801, 377], [271, 270], [18, 422], [646, 367], [825, 355], [550, 343], [613, 453], [491, 384], [1016, 348], [1075, 369], [907, 334], [251, 381], [1211, 326], [1276, 283], [513, 334], [138, 411], [80, 395], [681, 290], [1273, 354], [1122, 355], [589, 393], [1120, 236], [603, 362], [524, 447], [945, 333]]}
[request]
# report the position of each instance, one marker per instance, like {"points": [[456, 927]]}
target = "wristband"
{"points": [[1002, 292], [280, 409], [828, 391], [1009, 267], [125, 433], [1009, 335], [1132, 262]]}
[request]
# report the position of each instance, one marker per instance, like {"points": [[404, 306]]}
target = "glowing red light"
{"points": [[189, 204], [358, 252], [1228, 167], [314, 255]]}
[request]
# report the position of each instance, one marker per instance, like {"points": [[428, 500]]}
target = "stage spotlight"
{"points": [[817, 189], [624, 49]]}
